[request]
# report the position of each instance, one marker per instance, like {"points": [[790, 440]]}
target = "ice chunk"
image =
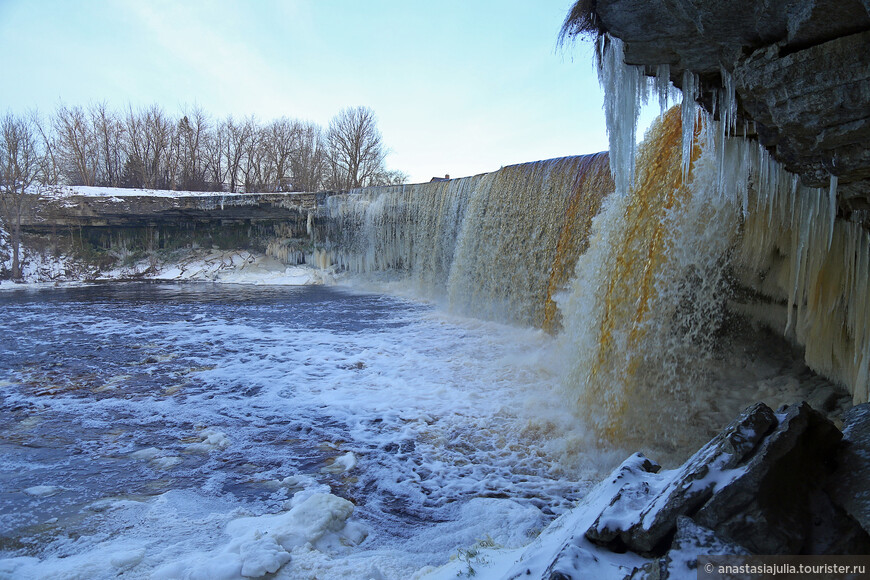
{"points": [[261, 545], [341, 464], [146, 454], [43, 490], [211, 439]]}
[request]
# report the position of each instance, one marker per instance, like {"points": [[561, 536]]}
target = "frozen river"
{"points": [[151, 430]]}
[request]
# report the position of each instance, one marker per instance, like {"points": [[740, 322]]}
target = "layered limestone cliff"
{"points": [[92, 233]]}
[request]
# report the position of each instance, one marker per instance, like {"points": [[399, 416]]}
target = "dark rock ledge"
{"points": [[801, 71], [771, 483]]}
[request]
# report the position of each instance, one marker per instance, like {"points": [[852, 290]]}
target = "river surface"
{"points": [[137, 420]]}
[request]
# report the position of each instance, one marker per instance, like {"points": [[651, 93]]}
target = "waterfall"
{"points": [[498, 245], [704, 216], [649, 295]]}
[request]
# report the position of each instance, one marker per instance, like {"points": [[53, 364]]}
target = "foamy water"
{"points": [[166, 430]]}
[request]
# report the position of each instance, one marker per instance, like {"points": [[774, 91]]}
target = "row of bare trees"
{"points": [[149, 148]]}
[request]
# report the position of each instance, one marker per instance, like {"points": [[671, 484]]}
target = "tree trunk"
{"points": [[16, 242]]}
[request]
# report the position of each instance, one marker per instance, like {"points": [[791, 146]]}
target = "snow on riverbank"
{"points": [[225, 266], [220, 266], [61, 191]]}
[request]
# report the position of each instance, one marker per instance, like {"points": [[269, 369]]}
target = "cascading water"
{"points": [[706, 215], [499, 245], [649, 295]]}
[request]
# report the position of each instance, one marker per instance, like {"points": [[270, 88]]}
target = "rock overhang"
{"points": [[801, 71]]}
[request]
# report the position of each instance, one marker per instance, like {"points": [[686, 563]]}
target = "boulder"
{"points": [[770, 483], [768, 508], [681, 561], [850, 484], [641, 517]]}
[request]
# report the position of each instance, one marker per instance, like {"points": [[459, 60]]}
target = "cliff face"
{"points": [[150, 210], [69, 237], [796, 76], [801, 72]]}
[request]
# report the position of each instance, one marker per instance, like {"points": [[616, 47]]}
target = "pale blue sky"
{"points": [[459, 87]]}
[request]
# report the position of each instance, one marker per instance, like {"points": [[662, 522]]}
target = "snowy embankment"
{"points": [[224, 266], [59, 191], [220, 266], [196, 264]]}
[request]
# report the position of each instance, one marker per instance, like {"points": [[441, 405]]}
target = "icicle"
{"points": [[728, 102], [725, 99], [625, 87], [689, 118], [663, 87], [832, 208]]}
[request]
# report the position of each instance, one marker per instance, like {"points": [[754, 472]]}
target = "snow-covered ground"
{"points": [[196, 265], [224, 266], [60, 191]]}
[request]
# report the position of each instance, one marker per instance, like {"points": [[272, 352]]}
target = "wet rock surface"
{"points": [[656, 510], [801, 71], [784, 482]]}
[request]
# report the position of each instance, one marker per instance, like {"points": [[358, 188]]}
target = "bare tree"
{"points": [[355, 151], [79, 151], [216, 169], [256, 167], [309, 160], [19, 168], [390, 177], [109, 133], [193, 133], [237, 135], [148, 148], [135, 146], [158, 147], [49, 168], [280, 140]]}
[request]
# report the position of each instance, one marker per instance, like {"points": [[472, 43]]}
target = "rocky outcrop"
{"points": [[154, 210], [75, 237], [768, 484], [656, 509], [849, 486], [801, 71], [681, 560]]}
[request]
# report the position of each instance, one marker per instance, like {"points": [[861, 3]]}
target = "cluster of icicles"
{"points": [[695, 209], [288, 247]]}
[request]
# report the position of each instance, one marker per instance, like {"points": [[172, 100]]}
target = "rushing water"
{"points": [[137, 420]]}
